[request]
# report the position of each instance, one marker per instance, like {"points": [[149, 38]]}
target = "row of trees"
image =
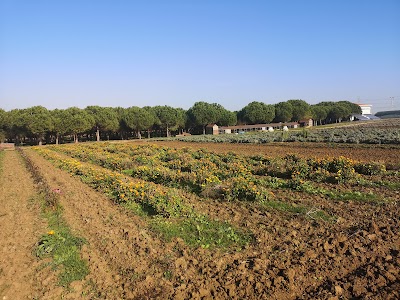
{"points": [[37, 124]]}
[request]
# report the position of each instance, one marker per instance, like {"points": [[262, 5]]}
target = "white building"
{"points": [[365, 113], [365, 109]]}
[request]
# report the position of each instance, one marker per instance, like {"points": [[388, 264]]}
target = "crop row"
{"points": [[166, 202], [353, 135], [174, 168], [169, 207], [223, 176], [248, 188]]}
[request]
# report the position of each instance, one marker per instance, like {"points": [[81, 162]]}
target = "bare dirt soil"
{"points": [[388, 154], [291, 257], [21, 226]]}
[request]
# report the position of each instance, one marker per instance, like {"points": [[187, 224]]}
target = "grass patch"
{"points": [[354, 196], [200, 231], [62, 247], [58, 243], [297, 209], [395, 186]]}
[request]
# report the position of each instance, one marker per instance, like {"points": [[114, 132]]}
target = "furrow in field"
{"points": [[125, 261], [21, 275]]}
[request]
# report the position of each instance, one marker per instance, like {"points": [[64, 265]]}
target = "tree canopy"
{"points": [[168, 117], [201, 114], [138, 119], [37, 124], [38, 121], [105, 119], [78, 121], [257, 112], [300, 110], [283, 112]]}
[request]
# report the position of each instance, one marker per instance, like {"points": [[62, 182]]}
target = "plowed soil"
{"points": [[387, 154], [21, 227], [291, 257]]}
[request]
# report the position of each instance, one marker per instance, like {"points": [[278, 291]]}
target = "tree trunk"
{"points": [[76, 138], [167, 131], [148, 133], [204, 130], [139, 134], [98, 134], [56, 139]]}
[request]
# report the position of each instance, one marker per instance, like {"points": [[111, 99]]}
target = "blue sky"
{"points": [[123, 53]]}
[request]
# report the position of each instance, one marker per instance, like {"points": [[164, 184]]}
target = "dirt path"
{"points": [[20, 228]]}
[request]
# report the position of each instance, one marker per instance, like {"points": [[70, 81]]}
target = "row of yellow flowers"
{"points": [[175, 216], [197, 170], [175, 168], [165, 201]]}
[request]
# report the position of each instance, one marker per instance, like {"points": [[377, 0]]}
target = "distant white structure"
{"points": [[365, 113], [365, 109]]}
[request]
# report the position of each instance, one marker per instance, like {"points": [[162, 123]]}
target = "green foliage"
{"points": [[181, 118], [2, 135], [301, 109], [354, 196], [60, 121], [166, 207], [38, 121], [105, 119], [34, 123], [283, 112], [319, 112], [336, 111], [332, 135], [201, 114], [3, 121], [15, 124], [77, 121], [223, 117], [339, 112], [2, 118], [353, 108], [168, 116], [343, 169], [138, 119], [62, 247], [371, 168], [257, 113], [388, 114], [201, 231]]}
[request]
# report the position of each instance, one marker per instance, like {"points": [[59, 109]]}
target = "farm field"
{"points": [[179, 220], [387, 154]]}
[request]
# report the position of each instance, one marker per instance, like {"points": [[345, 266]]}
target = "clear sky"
{"points": [[63, 53]]}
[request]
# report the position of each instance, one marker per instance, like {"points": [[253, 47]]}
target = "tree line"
{"points": [[37, 124]]}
